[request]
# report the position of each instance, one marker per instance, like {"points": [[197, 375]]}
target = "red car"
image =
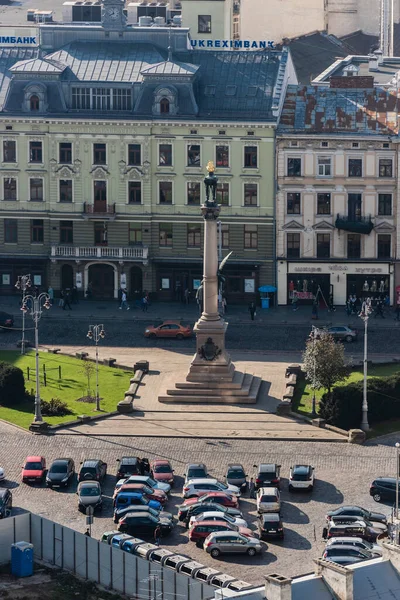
{"points": [[161, 470], [34, 469], [202, 529], [217, 497], [168, 329], [158, 495]]}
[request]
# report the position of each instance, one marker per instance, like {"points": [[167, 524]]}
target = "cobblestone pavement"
{"points": [[343, 472]]}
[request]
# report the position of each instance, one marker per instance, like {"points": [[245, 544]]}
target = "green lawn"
{"points": [[73, 385]]}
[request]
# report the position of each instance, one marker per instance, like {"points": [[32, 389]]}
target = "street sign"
{"points": [[90, 510], [89, 520]]}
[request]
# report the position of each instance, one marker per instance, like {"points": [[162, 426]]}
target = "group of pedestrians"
{"points": [[123, 300], [68, 297]]}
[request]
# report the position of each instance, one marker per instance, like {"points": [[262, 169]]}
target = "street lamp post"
{"points": [[365, 313], [96, 333], [34, 306], [314, 402], [396, 528], [23, 283]]}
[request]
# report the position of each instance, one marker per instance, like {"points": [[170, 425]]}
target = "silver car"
{"points": [[229, 542], [89, 494], [197, 487], [357, 542]]}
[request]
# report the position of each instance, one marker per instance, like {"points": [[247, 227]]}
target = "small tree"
{"points": [[324, 362], [88, 370]]}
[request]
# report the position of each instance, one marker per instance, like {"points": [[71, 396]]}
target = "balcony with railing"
{"points": [[123, 253], [99, 209], [354, 223]]}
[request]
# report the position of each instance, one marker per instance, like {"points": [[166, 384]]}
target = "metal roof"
{"points": [[37, 65], [170, 68], [8, 57], [377, 580]]}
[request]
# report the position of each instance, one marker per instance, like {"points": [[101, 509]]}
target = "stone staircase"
{"points": [[242, 388]]}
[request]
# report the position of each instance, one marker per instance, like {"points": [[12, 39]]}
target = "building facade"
{"points": [[337, 199]]}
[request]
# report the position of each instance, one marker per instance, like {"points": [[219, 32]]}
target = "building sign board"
{"points": [[235, 44], [19, 36]]}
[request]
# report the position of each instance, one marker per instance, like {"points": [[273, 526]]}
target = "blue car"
{"points": [[125, 499]]}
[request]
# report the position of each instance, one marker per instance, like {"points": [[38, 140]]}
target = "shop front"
{"points": [[11, 269]]}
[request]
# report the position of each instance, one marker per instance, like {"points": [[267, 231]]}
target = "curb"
{"points": [[207, 437]]}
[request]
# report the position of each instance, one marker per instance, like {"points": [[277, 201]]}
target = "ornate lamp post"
{"points": [[96, 333], [365, 313], [23, 283], [34, 307]]}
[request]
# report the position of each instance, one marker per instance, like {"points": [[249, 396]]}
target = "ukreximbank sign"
{"points": [[246, 44]]}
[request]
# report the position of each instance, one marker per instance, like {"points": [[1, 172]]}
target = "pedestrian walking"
{"points": [[124, 300], [397, 311], [314, 314], [87, 532], [145, 304], [294, 303], [252, 488], [61, 300], [157, 535], [223, 305], [67, 299], [187, 296], [50, 292], [75, 295], [252, 310], [379, 310]]}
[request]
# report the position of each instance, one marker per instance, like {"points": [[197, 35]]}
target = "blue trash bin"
{"points": [[22, 559], [264, 302]]}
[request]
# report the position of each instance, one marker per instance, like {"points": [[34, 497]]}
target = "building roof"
{"points": [[363, 43], [376, 580], [310, 586], [315, 109], [8, 58], [170, 68], [37, 65]]}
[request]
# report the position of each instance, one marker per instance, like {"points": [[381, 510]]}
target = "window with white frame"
{"points": [[324, 166], [10, 189], [101, 98]]}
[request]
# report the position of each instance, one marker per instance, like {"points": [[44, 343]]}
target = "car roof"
{"points": [[207, 480], [267, 467], [217, 494], [34, 458], [228, 531], [3, 492], [344, 540], [190, 465], [130, 494], [91, 462], [129, 460], [268, 490], [270, 517], [206, 522], [301, 469], [235, 466], [346, 525], [60, 460], [83, 484], [137, 513], [160, 461], [388, 479]]}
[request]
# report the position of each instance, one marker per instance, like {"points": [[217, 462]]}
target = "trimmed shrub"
{"points": [[12, 384], [55, 408]]}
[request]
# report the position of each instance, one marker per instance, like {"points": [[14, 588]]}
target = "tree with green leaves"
{"points": [[88, 370]]}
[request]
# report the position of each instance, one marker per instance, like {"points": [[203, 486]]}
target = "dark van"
{"points": [[357, 529]]}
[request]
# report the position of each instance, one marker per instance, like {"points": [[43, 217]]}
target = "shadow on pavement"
{"points": [[292, 514]]}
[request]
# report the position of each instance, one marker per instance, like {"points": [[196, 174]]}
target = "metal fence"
{"points": [[86, 557]]}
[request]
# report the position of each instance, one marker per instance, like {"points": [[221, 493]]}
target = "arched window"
{"points": [[34, 102], [164, 106]]}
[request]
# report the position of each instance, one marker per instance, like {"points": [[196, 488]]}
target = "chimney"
{"points": [[278, 587], [338, 579], [386, 27], [373, 62], [379, 54]]}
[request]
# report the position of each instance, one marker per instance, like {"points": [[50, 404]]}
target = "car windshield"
{"points": [[196, 473], [235, 474], [162, 469], [58, 468], [268, 498], [128, 469], [269, 475], [2, 502], [300, 476], [90, 491], [88, 469], [271, 518], [33, 466]]}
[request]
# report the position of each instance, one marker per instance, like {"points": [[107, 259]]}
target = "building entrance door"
{"points": [[67, 277], [102, 279]]}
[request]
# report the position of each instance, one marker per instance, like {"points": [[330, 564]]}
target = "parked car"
{"points": [[201, 529], [6, 320], [2, 474], [383, 488], [236, 475], [34, 469], [5, 503], [149, 492], [185, 511], [107, 536], [216, 515], [268, 474], [121, 512], [301, 477], [332, 552], [168, 329], [357, 511], [89, 494], [382, 527], [138, 523], [344, 560], [224, 542], [268, 500], [92, 470], [358, 529], [195, 471], [270, 526], [375, 549], [199, 487], [157, 485], [132, 465], [217, 497], [342, 333], [161, 470], [61, 472], [125, 499]]}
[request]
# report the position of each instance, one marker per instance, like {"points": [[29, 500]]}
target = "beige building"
{"points": [[211, 22]]}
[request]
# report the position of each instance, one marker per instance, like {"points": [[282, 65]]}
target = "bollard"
{"points": [[27, 373]]}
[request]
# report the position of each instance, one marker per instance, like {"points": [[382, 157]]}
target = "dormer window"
{"points": [[165, 101], [34, 102], [164, 106]]}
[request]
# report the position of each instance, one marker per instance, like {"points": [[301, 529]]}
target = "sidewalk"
{"points": [[237, 314]]}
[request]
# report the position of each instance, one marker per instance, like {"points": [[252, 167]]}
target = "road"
{"points": [[344, 473]]}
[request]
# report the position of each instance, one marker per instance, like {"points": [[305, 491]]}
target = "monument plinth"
{"points": [[212, 377]]}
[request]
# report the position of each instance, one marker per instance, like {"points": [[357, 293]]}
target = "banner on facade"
{"points": [[78, 280]]}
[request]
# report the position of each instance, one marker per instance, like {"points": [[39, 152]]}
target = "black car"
{"points": [[92, 470], [356, 511], [120, 513], [185, 512], [61, 472], [143, 524], [6, 320], [267, 475], [5, 503], [270, 526], [132, 465], [383, 488]]}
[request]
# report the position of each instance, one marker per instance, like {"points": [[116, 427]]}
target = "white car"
{"points": [[357, 542], [193, 486], [2, 474], [268, 500], [216, 515], [301, 477]]}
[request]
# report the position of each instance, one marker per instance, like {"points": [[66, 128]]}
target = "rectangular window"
{"points": [[193, 155], [99, 154], [193, 193], [134, 155], [101, 99], [135, 234], [193, 236], [250, 194], [100, 234], [225, 235], [9, 151], [66, 232], [323, 245], [65, 190], [385, 205], [355, 167], [86, 14], [36, 190], [354, 207], [204, 24], [35, 152], [165, 234], [385, 167], [384, 245], [294, 167], [122, 99], [323, 204], [135, 192], [165, 155], [65, 153], [251, 236], [250, 157], [324, 166], [222, 156], [165, 192], [293, 245], [10, 231], [37, 231], [353, 245], [223, 194], [81, 98], [293, 203], [10, 189]]}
